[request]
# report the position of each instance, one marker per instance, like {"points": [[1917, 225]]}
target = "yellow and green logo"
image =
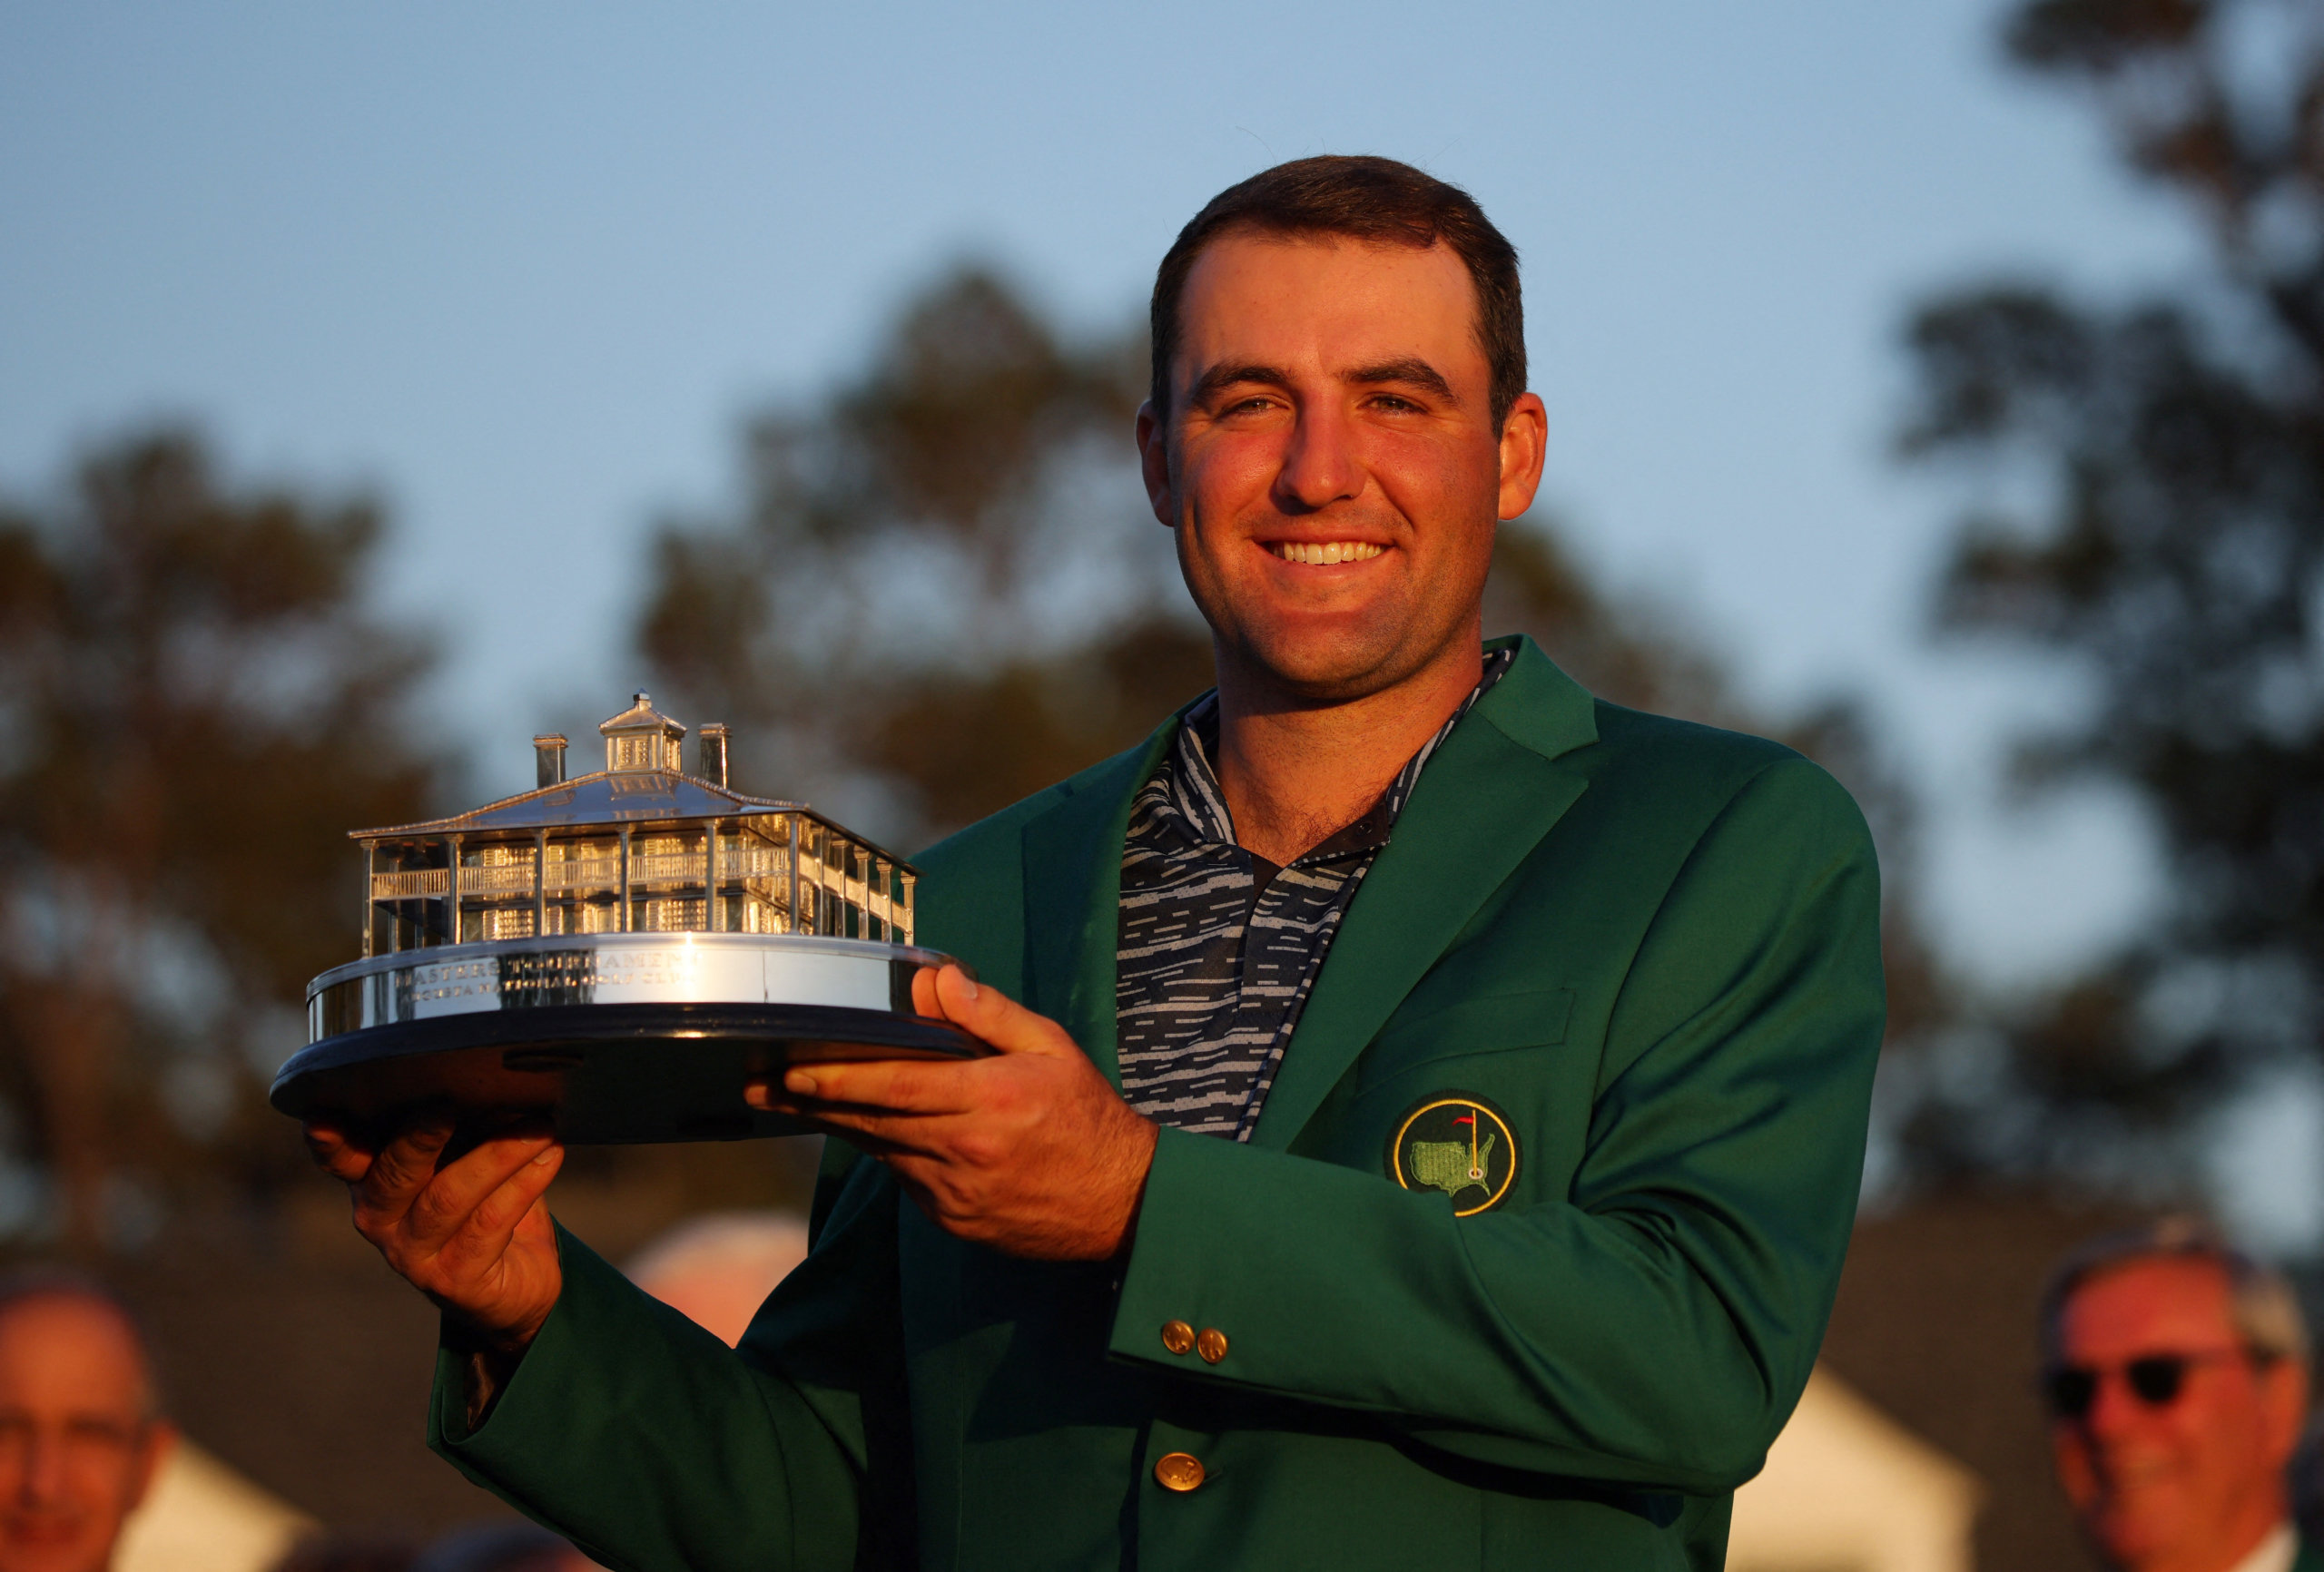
{"points": [[1459, 1144]]}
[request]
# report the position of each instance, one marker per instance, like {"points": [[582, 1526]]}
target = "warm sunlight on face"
{"points": [[1331, 465], [2188, 1483], [78, 1444]]}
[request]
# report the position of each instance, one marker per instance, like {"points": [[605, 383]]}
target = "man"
{"points": [[2176, 1370], [80, 1437], [1429, 1104]]}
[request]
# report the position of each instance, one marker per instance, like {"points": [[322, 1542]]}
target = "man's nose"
{"points": [[1321, 464], [40, 1471], [2114, 1409]]}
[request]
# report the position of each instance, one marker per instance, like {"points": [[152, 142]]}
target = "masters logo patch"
{"points": [[1457, 1144]]}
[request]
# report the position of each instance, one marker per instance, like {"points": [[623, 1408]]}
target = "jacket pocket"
{"points": [[1534, 1018]]}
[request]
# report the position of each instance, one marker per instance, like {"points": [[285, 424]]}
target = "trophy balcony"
{"points": [[760, 870]]}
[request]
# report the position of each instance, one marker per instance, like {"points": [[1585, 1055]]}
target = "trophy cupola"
{"points": [[642, 738]]}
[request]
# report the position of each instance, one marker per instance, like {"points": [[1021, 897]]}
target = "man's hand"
{"points": [[1030, 1150], [472, 1234]]}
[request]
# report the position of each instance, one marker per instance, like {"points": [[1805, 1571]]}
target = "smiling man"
{"points": [[1429, 1104], [2177, 1374], [80, 1439]]}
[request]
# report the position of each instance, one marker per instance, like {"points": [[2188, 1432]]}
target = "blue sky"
{"points": [[523, 269]]}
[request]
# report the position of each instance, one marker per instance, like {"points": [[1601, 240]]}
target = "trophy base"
{"points": [[598, 1074], [611, 1038]]}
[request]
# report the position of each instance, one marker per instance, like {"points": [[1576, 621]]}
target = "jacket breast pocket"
{"points": [[1479, 1024]]}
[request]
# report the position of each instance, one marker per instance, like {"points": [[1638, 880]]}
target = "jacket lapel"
{"points": [[1073, 887], [1487, 795]]}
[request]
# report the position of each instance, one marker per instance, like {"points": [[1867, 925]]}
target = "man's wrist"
{"points": [[1147, 1135], [488, 1363]]}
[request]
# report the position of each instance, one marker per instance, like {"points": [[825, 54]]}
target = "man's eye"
{"points": [[1394, 402]]}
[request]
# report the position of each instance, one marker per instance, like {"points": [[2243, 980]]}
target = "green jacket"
{"points": [[1650, 949]]}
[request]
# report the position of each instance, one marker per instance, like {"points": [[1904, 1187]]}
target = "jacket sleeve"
{"points": [[1655, 1325], [651, 1445]]}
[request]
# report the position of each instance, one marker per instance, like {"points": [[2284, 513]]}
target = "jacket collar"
{"points": [[1489, 792], [1073, 891], [1492, 790]]}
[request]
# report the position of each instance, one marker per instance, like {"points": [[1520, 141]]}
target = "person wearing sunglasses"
{"points": [[2175, 1372]]}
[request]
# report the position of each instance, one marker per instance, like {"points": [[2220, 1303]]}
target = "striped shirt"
{"points": [[1217, 947]]}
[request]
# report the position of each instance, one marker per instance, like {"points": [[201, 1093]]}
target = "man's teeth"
{"points": [[1327, 552]]}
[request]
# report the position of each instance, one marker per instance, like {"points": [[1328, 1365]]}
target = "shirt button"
{"points": [[1179, 1471], [1211, 1345], [1178, 1336]]}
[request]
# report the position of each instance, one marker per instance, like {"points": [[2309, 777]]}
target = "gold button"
{"points": [[1211, 1345], [1178, 1336], [1179, 1471]]}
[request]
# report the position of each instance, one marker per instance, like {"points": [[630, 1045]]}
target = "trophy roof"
{"points": [[641, 716], [607, 797]]}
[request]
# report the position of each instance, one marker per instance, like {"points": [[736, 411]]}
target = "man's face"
{"points": [[2193, 1482], [77, 1448], [1331, 464]]}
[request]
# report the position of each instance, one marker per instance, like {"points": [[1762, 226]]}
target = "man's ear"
{"points": [[1524, 445], [2283, 1392], [1154, 464], [160, 1441]]}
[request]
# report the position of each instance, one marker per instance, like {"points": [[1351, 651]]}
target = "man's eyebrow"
{"points": [[1411, 370], [1222, 377]]}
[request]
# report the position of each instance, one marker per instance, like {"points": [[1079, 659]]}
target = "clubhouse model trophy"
{"points": [[620, 952]]}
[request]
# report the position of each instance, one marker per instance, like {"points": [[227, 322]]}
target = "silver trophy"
{"points": [[620, 952]]}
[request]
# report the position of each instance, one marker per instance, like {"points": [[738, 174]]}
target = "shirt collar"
{"points": [[1191, 785], [2276, 1553]]}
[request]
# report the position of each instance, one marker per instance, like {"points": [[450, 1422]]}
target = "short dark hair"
{"points": [[28, 1284], [1374, 200], [2265, 1309]]}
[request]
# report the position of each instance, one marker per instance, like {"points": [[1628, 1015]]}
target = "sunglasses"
{"points": [[2156, 1380]]}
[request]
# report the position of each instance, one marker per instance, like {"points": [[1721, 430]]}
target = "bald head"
{"points": [[80, 1439]]}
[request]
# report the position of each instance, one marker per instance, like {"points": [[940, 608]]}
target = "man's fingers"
{"points": [[992, 1015], [877, 1130], [485, 1233], [875, 1135], [334, 1154], [442, 1209], [404, 1166], [900, 1085], [949, 992]]}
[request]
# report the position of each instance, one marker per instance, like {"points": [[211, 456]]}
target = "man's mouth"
{"points": [[40, 1530], [1324, 553]]}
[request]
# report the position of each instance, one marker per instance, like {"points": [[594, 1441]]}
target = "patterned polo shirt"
{"points": [[1217, 947]]}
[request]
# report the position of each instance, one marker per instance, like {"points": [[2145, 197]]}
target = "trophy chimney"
{"points": [[714, 752], [549, 759], [642, 738]]}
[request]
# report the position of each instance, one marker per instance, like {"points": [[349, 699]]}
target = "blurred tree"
{"points": [[944, 586], [193, 711], [2155, 471]]}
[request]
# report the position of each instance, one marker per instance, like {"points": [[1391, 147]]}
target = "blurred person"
{"points": [[2176, 1372], [349, 1552], [1427, 1106], [718, 1270], [501, 1548], [80, 1431]]}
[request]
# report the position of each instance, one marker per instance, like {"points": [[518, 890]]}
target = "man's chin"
{"points": [[46, 1545], [1331, 663], [2135, 1530]]}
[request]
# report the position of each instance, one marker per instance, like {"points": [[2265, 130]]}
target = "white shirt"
{"points": [[2276, 1553]]}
